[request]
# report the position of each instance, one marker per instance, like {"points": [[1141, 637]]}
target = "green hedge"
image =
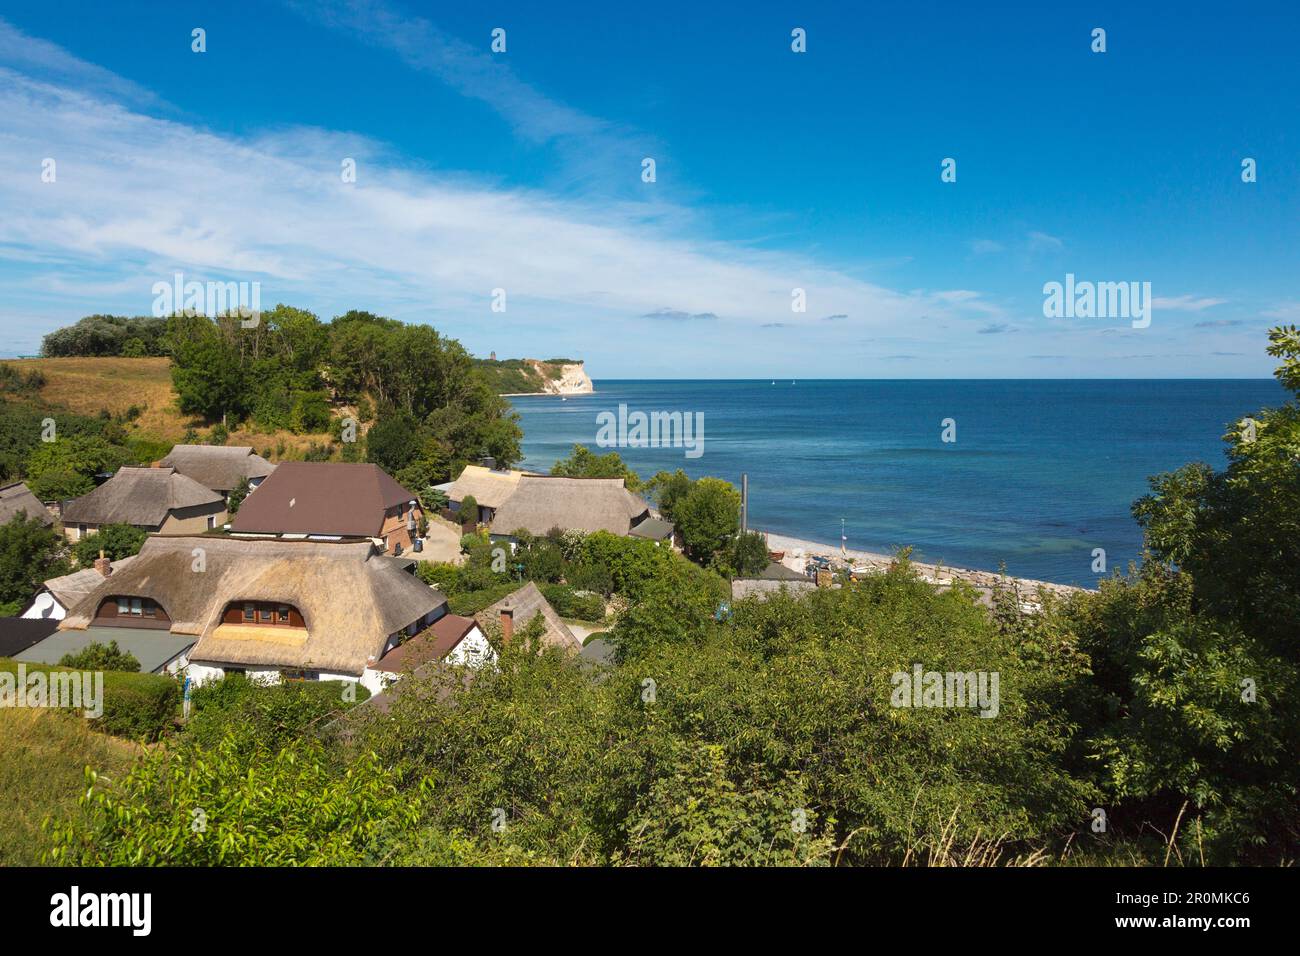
{"points": [[136, 706], [468, 603], [569, 603]]}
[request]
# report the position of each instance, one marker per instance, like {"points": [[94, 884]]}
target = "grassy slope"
{"points": [[87, 385], [42, 765]]}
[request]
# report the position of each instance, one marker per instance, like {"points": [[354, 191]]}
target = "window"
{"points": [[123, 605], [148, 608], [264, 615], [248, 613], [282, 614], [81, 531], [212, 522]]}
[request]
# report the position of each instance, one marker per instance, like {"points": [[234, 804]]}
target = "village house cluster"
{"points": [[313, 577]]}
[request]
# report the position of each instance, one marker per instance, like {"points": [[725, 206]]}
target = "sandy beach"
{"points": [[798, 550]]}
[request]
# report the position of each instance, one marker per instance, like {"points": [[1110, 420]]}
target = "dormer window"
{"points": [[126, 610], [262, 614]]}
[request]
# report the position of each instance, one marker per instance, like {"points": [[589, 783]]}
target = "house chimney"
{"points": [[103, 565], [507, 622]]}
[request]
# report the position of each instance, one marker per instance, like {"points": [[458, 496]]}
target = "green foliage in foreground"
{"points": [[136, 706], [772, 737], [101, 657]]}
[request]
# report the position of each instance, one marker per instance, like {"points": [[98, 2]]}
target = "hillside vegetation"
{"points": [[522, 376]]}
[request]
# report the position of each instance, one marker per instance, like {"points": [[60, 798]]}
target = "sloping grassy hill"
{"points": [[88, 385], [42, 772]]}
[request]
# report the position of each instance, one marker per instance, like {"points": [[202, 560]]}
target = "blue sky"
{"points": [[774, 171]]}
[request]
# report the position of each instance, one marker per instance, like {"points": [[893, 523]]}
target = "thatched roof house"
{"points": [[155, 499], [489, 487], [330, 499], [513, 612], [59, 594], [18, 497], [267, 604], [219, 467], [543, 502]]}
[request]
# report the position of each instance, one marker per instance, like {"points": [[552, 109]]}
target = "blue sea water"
{"points": [[1041, 472]]}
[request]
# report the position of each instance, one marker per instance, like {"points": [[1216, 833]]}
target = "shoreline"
{"points": [[798, 549], [543, 394]]}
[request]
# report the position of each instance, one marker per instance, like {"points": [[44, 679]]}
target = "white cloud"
{"points": [[1185, 303], [137, 198]]}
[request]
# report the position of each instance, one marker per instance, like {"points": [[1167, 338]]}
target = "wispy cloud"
{"points": [[1185, 303], [138, 197], [996, 328]]}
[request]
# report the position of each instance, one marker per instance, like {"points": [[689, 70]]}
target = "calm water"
{"points": [[1041, 472]]}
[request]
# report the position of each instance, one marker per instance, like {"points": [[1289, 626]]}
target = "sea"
{"points": [[1035, 475]]}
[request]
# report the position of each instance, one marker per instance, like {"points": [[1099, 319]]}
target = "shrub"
{"points": [[136, 706], [569, 603], [101, 657]]}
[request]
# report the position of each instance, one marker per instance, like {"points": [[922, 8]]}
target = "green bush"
{"points": [[101, 657], [568, 603], [136, 706], [469, 603], [265, 715]]}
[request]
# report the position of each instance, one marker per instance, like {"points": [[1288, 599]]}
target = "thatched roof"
{"points": [[18, 497], [351, 599], [141, 496], [68, 589], [543, 502], [489, 487], [219, 467], [321, 497], [527, 603]]}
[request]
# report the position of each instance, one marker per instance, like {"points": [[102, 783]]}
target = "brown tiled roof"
{"points": [[321, 497], [432, 644]]}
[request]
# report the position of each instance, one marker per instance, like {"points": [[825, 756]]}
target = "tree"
{"points": [[101, 657], [393, 440], [63, 468], [707, 517], [206, 372], [30, 553], [1237, 533], [746, 554], [667, 488], [582, 463], [117, 541], [468, 510], [237, 496]]}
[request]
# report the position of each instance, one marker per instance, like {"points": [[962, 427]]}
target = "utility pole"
{"points": [[744, 503]]}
